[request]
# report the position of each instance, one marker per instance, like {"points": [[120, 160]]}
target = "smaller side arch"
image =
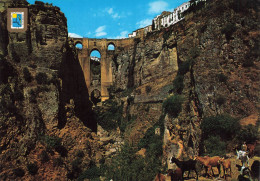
{"points": [[111, 46], [78, 45]]}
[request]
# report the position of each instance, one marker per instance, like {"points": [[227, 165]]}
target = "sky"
{"points": [[112, 19]]}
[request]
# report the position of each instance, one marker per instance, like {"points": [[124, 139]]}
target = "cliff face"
{"points": [[47, 127], [42, 93], [212, 55]]}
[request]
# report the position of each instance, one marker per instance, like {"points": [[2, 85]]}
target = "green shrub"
{"points": [[52, 142], [41, 78], [91, 173], [95, 67], [194, 53], [214, 146], [248, 133], [32, 168], [110, 118], [148, 89], [18, 95], [33, 66], [125, 122], [173, 105], [33, 96], [27, 75], [178, 84], [251, 56], [151, 141], [44, 157], [18, 172], [184, 67], [57, 162], [129, 166], [228, 30], [243, 5], [222, 78], [80, 154], [220, 100], [224, 126], [126, 165], [75, 164]]}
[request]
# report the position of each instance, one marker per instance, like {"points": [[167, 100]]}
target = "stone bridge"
{"points": [[101, 45]]}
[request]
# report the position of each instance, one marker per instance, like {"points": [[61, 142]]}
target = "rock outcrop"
{"points": [[211, 56], [46, 123], [48, 129]]}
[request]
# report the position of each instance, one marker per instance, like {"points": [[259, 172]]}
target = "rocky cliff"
{"points": [[210, 59], [43, 126], [164, 86]]}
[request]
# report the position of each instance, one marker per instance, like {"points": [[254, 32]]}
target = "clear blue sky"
{"points": [[110, 18]]}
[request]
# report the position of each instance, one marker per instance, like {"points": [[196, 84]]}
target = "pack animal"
{"points": [[175, 175], [185, 165], [251, 149], [226, 164], [160, 177], [209, 162]]}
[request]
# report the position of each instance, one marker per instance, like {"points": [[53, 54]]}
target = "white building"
{"points": [[169, 18], [164, 20]]}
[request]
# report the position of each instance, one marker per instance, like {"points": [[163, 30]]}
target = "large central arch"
{"points": [[102, 45]]}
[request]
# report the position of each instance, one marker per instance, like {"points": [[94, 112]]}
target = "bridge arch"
{"points": [[78, 45], [95, 50], [111, 46], [106, 60]]}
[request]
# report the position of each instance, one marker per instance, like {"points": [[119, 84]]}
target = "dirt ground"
{"points": [[235, 173]]}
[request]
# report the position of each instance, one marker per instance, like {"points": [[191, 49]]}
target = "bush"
{"points": [[220, 100], [194, 52], [214, 146], [57, 162], [148, 89], [33, 66], [184, 67], [19, 172], [52, 142], [222, 78], [80, 154], [27, 75], [251, 56], [243, 5], [75, 164], [228, 30], [173, 105], [151, 141], [44, 157], [125, 122], [32, 168], [41, 78], [91, 173], [110, 118], [128, 166], [33, 96], [18, 95], [224, 126], [178, 84], [248, 134]]}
